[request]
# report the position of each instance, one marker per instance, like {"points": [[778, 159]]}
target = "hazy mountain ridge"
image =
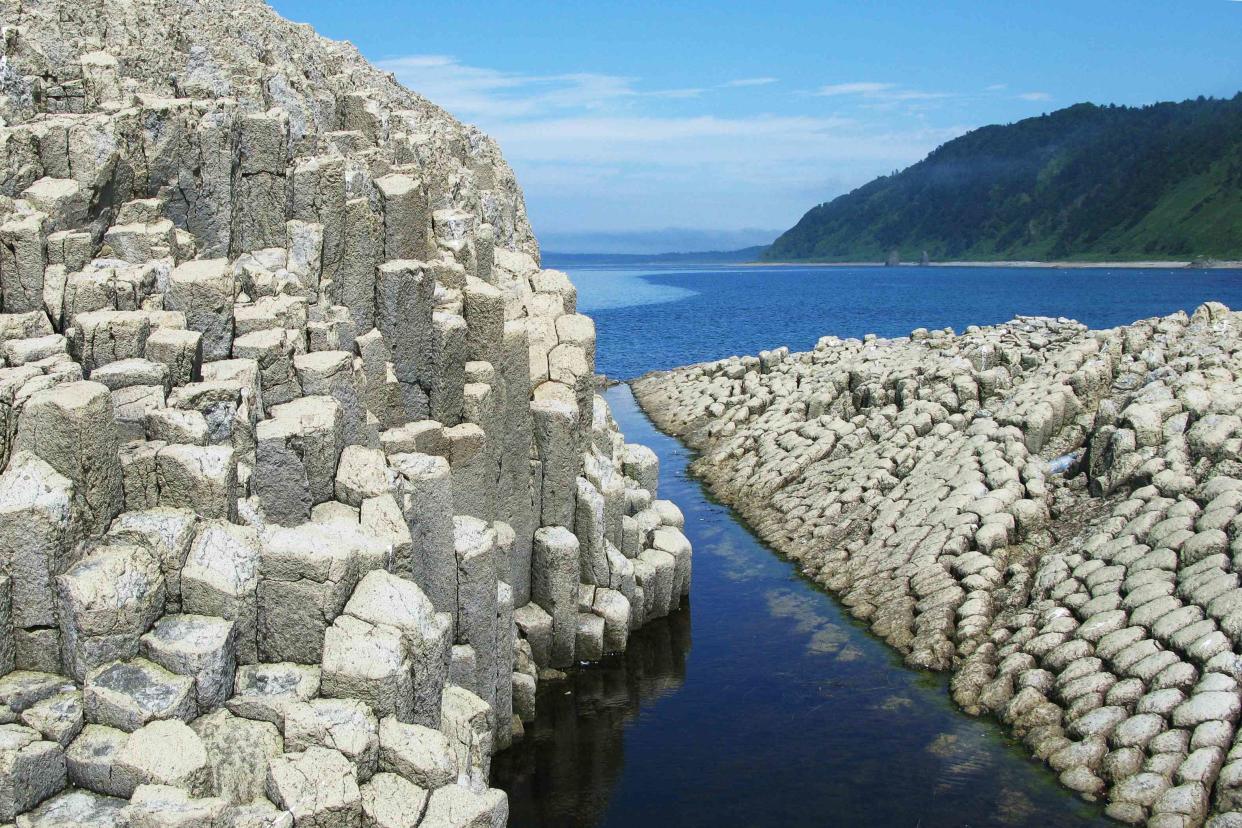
{"points": [[1086, 182]]}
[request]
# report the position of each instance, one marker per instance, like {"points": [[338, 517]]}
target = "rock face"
{"points": [[1048, 512], [303, 476]]}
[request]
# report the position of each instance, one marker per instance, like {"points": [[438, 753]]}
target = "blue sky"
{"points": [[639, 116]]}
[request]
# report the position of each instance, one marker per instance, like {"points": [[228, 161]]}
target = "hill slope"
{"points": [[1085, 182]]}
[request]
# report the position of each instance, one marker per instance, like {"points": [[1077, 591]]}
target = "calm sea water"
{"points": [[658, 318], [763, 703]]}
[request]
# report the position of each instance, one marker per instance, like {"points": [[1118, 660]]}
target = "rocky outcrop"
{"points": [[1048, 512], [304, 483]]}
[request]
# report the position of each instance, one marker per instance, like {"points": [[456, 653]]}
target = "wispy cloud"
{"points": [[474, 92], [1035, 96], [873, 90], [597, 150], [996, 87], [741, 82], [861, 88]]}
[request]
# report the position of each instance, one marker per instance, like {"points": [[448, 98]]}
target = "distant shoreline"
{"points": [[1142, 265]]}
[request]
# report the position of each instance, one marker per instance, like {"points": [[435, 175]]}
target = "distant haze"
{"points": [[666, 240]]}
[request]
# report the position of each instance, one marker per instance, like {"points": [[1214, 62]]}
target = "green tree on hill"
{"points": [[1086, 182]]}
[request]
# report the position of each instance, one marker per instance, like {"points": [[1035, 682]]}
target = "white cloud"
{"points": [[874, 91], [1035, 96], [473, 92], [862, 88], [996, 87], [741, 82], [598, 150]]}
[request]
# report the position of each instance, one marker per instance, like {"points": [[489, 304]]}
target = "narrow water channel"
{"points": [[761, 704]]}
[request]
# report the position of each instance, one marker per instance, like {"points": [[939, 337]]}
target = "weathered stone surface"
{"points": [[31, 769], [238, 753], [383, 598], [284, 382], [317, 786], [201, 647], [129, 694], [163, 753]]}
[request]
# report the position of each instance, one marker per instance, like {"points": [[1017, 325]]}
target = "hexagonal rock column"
{"points": [[385, 598], [70, 426], [554, 587]]}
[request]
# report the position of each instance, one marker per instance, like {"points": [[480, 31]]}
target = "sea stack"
{"points": [[304, 482], [1051, 514]]}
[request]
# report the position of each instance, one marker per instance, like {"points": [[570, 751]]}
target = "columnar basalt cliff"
{"points": [[304, 482], [1049, 512]]}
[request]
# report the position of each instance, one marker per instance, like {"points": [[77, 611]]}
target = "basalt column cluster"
{"points": [[304, 482], [1051, 513]]}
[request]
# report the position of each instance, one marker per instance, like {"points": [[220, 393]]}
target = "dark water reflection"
{"points": [[773, 708], [564, 771]]}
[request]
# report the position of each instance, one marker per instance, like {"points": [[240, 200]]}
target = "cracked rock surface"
{"points": [[303, 475], [1047, 512]]}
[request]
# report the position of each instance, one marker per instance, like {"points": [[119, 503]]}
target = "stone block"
{"points": [[426, 490], [181, 351], [31, 770], [274, 350], [263, 691], [407, 217], [340, 724], [167, 534], [318, 786], [164, 752], [391, 801], [238, 752], [307, 574], [369, 662], [555, 425], [419, 754], [107, 336], [39, 527], [203, 290], [384, 598], [554, 586], [77, 809], [91, 759], [201, 647], [221, 578], [107, 601], [58, 718], [475, 546], [454, 805], [129, 694], [361, 474], [70, 427], [201, 478], [470, 725], [165, 806]]}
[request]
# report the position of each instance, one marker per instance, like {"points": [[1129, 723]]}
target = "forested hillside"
{"points": [[1086, 182]]}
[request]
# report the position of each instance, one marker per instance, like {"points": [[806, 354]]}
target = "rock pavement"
{"points": [[1048, 512], [304, 482]]}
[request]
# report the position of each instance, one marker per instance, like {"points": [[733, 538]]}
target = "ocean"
{"points": [[657, 317]]}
